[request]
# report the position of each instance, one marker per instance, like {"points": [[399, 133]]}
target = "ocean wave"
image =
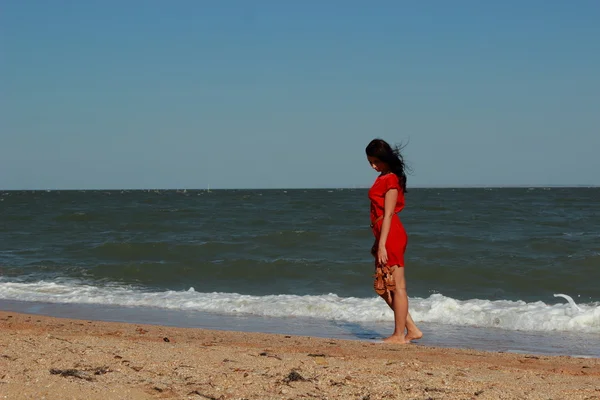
{"points": [[504, 314]]}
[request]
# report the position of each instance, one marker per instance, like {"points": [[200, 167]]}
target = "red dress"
{"points": [[397, 237]]}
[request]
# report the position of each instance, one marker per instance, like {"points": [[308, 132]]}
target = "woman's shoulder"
{"points": [[390, 178], [391, 181]]}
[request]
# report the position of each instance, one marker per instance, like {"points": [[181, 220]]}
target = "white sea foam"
{"points": [[510, 315]]}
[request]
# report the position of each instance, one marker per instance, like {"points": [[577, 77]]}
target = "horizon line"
{"points": [[481, 186]]}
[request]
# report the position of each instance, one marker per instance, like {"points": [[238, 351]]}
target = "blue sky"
{"points": [[244, 94]]}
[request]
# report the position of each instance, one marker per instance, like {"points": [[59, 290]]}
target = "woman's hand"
{"points": [[382, 256]]}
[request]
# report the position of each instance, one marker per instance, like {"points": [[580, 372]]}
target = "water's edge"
{"points": [[436, 335]]}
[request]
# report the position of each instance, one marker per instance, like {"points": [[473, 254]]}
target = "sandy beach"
{"points": [[53, 358]]}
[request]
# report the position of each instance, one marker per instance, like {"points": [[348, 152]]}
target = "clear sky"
{"points": [[273, 93]]}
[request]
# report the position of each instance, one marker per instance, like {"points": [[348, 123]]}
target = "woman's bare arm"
{"points": [[391, 197]]}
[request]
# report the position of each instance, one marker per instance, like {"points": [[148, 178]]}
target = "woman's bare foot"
{"points": [[396, 339], [413, 335]]}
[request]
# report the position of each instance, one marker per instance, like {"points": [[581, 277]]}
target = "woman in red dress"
{"points": [[387, 200]]}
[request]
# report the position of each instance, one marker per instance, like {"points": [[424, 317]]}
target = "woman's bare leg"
{"points": [[412, 331], [399, 303]]}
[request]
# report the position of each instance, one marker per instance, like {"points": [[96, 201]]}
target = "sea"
{"points": [[497, 269]]}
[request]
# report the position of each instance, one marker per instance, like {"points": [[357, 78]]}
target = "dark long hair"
{"points": [[381, 150]]}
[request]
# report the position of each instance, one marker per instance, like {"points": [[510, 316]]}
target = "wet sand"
{"points": [[54, 358]]}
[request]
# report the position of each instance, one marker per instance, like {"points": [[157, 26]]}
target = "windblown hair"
{"points": [[381, 150]]}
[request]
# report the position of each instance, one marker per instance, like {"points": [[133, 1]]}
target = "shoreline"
{"points": [[52, 357], [436, 335]]}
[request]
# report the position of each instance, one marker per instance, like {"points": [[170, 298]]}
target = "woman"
{"points": [[387, 199]]}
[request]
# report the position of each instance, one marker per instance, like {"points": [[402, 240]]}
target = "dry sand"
{"points": [[53, 358]]}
